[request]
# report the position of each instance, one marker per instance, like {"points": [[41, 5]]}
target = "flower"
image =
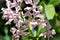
{"points": [[28, 1], [50, 33], [13, 30], [9, 14], [53, 32], [32, 12], [34, 2], [21, 23]]}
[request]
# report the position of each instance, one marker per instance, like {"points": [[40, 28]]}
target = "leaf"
{"points": [[1, 37], [55, 38], [39, 30], [25, 38], [50, 11], [7, 37], [54, 2], [30, 26], [1, 12]]}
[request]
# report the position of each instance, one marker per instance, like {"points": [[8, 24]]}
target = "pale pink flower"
{"points": [[34, 2], [53, 32], [13, 30], [28, 1]]}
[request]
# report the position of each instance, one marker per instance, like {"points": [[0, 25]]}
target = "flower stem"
{"points": [[37, 38]]}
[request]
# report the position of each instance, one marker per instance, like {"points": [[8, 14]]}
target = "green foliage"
{"points": [[25, 38], [54, 2], [50, 11], [30, 27], [6, 33]]}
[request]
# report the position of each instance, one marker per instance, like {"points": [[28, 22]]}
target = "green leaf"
{"points": [[30, 26], [6, 30], [39, 30], [55, 38], [25, 38], [54, 2], [1, 12], [7, 37], [50, 11], [1, 37]]}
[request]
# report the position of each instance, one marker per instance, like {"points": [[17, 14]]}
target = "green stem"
{"points": [[48, 38], [37, 38], [6, 34]]}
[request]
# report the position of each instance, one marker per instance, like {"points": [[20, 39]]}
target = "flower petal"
{"points": [[35, 2], [28, 1]]}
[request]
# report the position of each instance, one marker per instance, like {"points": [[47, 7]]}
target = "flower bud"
{"points": [[13, 30], [53, 32]]}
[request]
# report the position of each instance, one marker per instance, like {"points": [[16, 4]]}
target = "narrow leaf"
{"points": [[6, 33], [30, 26]]}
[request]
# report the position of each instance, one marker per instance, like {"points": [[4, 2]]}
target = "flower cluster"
{"points": [[15, 16], [10, 14], [48, 34], [35, 12], [36, 18]]}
